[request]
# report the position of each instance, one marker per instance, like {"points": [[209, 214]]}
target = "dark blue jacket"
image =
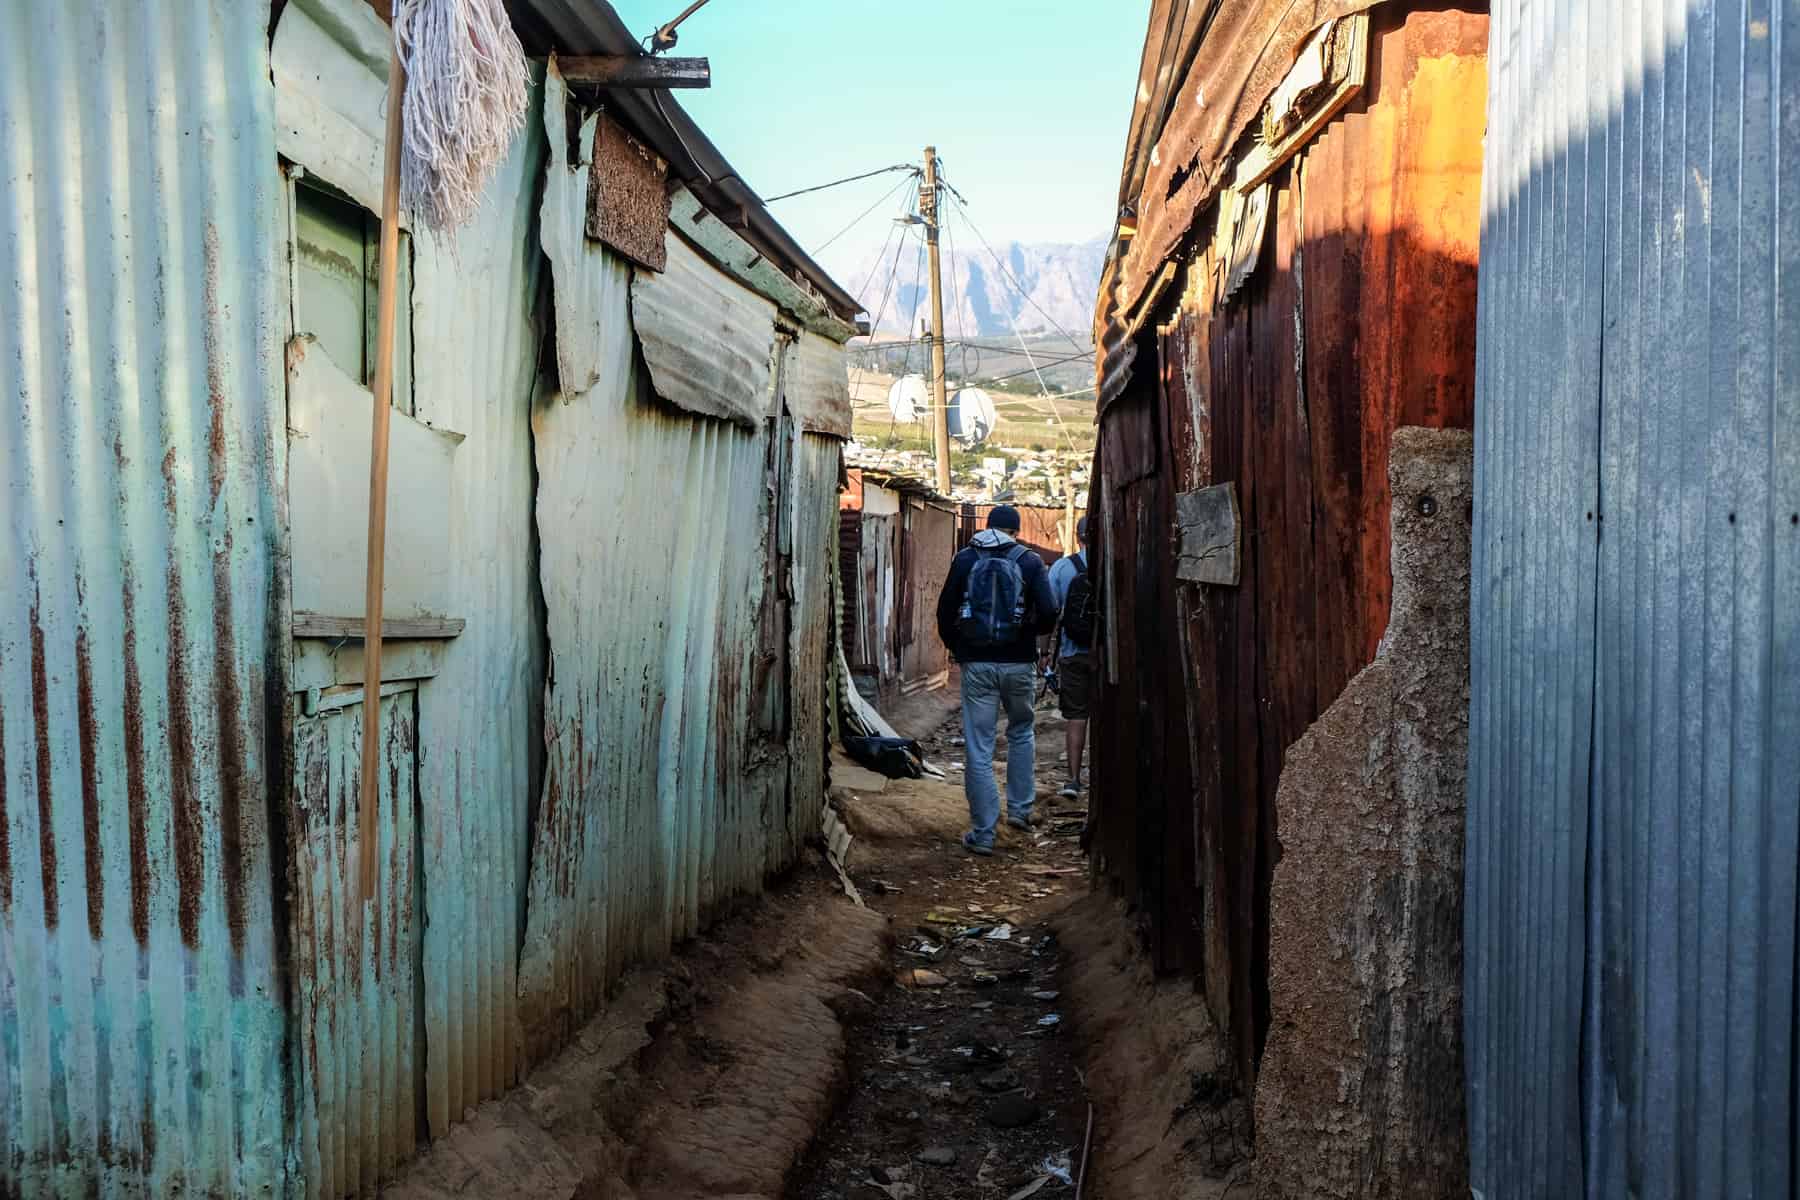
{"points": [[1040, 604]]}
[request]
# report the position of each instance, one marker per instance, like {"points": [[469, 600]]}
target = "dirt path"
{"points": [[964, 1081]]}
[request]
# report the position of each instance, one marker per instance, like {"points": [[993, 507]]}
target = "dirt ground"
{"points": [[950, 1041], [964, 1079]]}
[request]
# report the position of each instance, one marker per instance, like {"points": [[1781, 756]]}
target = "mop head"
{"points": [[466, 86]]}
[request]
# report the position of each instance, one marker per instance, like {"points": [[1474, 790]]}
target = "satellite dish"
{"points": [[908, 398], [972, 416]]}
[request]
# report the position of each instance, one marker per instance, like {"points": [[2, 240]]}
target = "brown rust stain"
{"points": [[184, 792], [5, 825], [216, 438], [136, 793], [90, 779], [229, 699], [40, 711], [231, 731]]}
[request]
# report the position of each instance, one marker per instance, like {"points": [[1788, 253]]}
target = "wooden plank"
{"points": [[1211, 535], [1353, 60], [318, 625], [634, 71]]}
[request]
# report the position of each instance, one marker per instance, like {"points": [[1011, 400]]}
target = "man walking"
{"points": [[994, 606], [1074, 592]]}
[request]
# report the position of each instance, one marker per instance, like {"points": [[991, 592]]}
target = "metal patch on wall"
{"points": [[628, 195], [1211, 535]]}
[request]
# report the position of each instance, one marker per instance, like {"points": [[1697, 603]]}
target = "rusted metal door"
{"points": [[357, 998]]}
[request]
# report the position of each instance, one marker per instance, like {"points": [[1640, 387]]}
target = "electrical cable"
{"points": [[962, 210], [840, 182], [1043, 388], [858, 219]]}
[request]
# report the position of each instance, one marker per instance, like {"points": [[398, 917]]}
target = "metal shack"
{"points": [[611, 555], [1635, 725], [1293, 281], [896, 537]]}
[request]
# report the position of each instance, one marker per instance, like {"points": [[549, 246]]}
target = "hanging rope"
{"points": [[465, 99]]}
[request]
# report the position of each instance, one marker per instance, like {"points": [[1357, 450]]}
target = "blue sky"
{"points": [[1027, 103]]}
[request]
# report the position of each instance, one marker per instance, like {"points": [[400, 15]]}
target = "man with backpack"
{"points": [[1073, 588], [995, 604]]}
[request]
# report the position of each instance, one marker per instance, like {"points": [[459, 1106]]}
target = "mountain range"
{"points": [[1034, 287]]}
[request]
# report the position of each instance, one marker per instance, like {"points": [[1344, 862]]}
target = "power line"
{"points": [[841, 182], [858, 219], [962, 210]]}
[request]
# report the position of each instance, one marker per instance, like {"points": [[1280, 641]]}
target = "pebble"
{"points": [[938, 1156]]}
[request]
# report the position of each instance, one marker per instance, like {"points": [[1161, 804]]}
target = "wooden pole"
{"points": [[1070, 545], [369, 799], [940, 403]]}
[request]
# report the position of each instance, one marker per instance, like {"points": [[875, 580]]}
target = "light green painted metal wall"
{"points": [[142, 606]]}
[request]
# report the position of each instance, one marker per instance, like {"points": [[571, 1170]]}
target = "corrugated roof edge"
{"points": [[592, 27]]}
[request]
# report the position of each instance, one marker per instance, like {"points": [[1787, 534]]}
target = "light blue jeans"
{"points": [[986, 688]]}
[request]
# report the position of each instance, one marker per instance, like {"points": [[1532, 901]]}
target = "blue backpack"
{"points": [[993, 607]]}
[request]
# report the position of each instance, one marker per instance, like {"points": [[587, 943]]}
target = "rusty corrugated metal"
{"points": [[818, 389], [476, 342], [708, 342], [1291, 390], [1632, 821], [928, 540], [812, 651], [143, 616], [1230, 59], [479, 711], [1040, 526], [355, 994], [689, 629]]}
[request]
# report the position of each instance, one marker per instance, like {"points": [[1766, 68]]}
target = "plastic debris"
{"points": [[1049, 1019], [1059, 1166]]}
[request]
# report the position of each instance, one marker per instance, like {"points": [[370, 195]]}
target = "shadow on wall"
{"points": [[1358, 319]]}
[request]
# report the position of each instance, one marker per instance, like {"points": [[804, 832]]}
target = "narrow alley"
{"points": [[964, 1078], [503, 497]]}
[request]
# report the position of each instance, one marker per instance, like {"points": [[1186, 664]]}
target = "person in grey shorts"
{"points": [[1074, 652]]}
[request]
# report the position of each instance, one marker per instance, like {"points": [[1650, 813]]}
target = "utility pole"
{"points": [[940, 403]]}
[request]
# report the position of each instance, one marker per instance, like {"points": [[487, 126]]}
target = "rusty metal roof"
{"points": [[1208, 68], [592, 27]]}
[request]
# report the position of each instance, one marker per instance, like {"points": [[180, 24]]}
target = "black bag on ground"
{"points": [[897, 758]]}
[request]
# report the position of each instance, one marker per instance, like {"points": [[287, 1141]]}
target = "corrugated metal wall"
{"points": [[687, 568], [476, 341], [1290, 390], [1632, 833], [479, 705], [356, 992], [142, 611]]}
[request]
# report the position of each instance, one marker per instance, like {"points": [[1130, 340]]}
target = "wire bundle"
{"points": [[466, 92]]}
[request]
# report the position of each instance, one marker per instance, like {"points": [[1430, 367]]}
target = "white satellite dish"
{"points": [[908, 398], [972, 416]]}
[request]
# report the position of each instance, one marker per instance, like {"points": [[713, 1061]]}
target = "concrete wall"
{"points": [[1361, 1089]]}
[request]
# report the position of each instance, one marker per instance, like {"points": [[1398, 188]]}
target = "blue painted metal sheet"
{"points": [[685, 565], [481, 718], [142, 611], [1633, 827], [355, 1010]]}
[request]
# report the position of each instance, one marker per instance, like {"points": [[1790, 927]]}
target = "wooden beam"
{"points": [[318, 625], [634, 71]]}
